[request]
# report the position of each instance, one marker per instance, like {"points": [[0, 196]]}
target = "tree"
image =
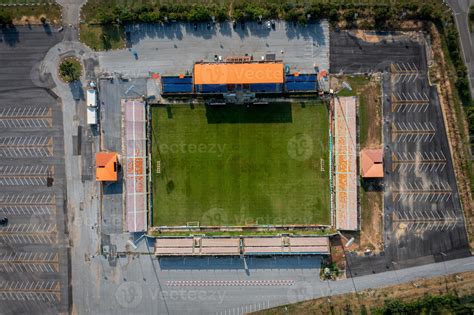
{"points": [[199, 13], [333, 15], [380, 15], [349, 14], [70, 70], [5, 18], [426, 11], [105, 17]]}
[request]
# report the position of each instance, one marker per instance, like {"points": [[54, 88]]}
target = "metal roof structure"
{"points": [[345, 151], [225, 246], [237, 73]]}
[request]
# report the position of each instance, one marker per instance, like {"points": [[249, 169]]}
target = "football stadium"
{"points": [[250, 149]]}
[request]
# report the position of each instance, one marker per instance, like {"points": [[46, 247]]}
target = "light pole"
{"points": [[394, 264], [330, 291], [444, 262], [445, 270]]}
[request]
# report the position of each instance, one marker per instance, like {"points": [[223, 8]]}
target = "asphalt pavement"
{"points": [[142, 284], [34, 247], [173, 48]]}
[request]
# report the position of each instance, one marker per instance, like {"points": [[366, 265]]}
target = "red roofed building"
{"points": [[371, 163], [106, 167]]}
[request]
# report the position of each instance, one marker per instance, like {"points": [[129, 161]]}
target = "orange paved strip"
{"points": [[238, 73], [346, 163]]}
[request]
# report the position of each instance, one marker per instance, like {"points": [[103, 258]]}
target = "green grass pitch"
{"points": [[238, 165]]}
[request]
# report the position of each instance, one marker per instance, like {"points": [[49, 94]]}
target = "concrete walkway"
{"points": [[71, 11]]}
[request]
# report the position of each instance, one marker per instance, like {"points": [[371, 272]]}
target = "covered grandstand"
{"points": [[286, 245], [345, 153], [220, 78], [233, 246], [250, 77]]}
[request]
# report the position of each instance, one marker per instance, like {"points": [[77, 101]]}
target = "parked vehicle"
{"points": [[91, 115], [4, 221], [91, 97]]}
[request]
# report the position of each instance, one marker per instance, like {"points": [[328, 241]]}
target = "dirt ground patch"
{"points": [[460, 285], [29, 19], [371, 192], [371, 234], [337, 253], [32, 14], [370, 114], [371, 38]]}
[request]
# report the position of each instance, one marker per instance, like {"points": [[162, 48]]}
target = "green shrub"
{"points": [[5, 18], [70, 70]]}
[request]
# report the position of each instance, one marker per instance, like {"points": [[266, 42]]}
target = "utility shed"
{"points": [[371, 163], [106, 167]]}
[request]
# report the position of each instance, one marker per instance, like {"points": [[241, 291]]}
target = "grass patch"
{"points": [[51, 11], [240, 166], [369, 109], [102, 37], [357, 83]]}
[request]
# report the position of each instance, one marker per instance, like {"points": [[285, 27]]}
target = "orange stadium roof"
{"points": [[238, 73], [106, 166]]}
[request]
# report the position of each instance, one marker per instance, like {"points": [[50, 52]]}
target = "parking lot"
{"points": [[350, 54], [33, 245], [174, 48], [422, 197], [423, 220]]}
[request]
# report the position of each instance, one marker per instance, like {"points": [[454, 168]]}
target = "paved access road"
{"points": [[142, 284], [461, 11], [34, 262]]}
